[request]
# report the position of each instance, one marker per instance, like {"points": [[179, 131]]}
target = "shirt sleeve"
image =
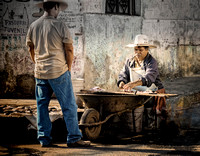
{"points": [[151, 73], [66, 36], [124, 74], [28, 37]]}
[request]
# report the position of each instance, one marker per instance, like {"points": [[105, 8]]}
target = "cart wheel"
{"points": [[90, 116]]}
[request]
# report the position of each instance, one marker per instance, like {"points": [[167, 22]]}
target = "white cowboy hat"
{"points": [[63, 4], [141, 40]]}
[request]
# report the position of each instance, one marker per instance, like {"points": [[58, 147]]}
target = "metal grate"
{"points": [[119, 6]]}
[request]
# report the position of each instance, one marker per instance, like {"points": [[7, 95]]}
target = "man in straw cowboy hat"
{"points": [[141, 73], [51, 49]]}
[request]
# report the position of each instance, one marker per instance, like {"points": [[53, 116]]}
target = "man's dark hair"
{"points": [[146, 47], [49, 5]]}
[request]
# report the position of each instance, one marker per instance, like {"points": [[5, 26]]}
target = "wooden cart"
{"points": [[100, 106]]}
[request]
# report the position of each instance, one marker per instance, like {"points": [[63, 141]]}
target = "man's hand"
{"points": [[121, 85], [127, 87]]}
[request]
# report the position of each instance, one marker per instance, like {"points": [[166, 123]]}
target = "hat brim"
{"points": [[142, 45], [63, 5]]}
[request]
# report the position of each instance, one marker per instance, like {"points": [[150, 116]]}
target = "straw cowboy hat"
{"points": [[141, 40], [63, 4]]}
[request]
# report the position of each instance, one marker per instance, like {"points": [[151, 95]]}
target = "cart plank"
{"points": [[137, 93], [24, 102]]}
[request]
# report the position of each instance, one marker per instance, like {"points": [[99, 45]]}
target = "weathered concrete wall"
{"points": [[93, 6], [100, 39], [176, 45], [105, 52], [16, 67], [14, 58], [175, 29], [171, 9]]}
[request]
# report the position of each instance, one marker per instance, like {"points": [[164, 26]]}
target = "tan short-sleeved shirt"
{"points": [[48, 35]]}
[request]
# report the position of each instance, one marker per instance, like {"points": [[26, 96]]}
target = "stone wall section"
{"points": [[15, 62], [174, 26], [105, 52], [100, 39]]}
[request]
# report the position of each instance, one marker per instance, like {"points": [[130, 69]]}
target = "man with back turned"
{"points": [[51, 49]]}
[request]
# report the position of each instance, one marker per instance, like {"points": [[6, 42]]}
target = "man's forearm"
{"points": [[31, 51], [69, 54]]}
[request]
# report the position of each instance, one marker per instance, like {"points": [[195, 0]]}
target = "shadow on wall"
{"points": [[23, 88], [3, 78]]}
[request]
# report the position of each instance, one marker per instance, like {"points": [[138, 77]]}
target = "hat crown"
{"points": [[141, 39], [63, 3], [59, 1]]}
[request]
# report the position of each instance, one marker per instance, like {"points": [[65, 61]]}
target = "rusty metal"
{"points": [[111, 115], [106, 119], [110, 103]]}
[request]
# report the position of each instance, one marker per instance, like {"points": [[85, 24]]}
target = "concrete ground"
{"points": [[149, 144], [109, 150], [18, 141]]}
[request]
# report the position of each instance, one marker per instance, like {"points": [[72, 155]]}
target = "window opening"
{"points": [[124, 7]]}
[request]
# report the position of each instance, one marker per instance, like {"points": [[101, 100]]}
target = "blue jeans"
{"points": [[62, 87]]}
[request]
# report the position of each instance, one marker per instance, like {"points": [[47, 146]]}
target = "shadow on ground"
{"points": [[14, 132]]}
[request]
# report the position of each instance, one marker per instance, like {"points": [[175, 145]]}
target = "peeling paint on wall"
{"points": [[93, 6], [100, 39], [170, 36], [14, 25], [16, 16], [171, 9], [105, 40]]}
